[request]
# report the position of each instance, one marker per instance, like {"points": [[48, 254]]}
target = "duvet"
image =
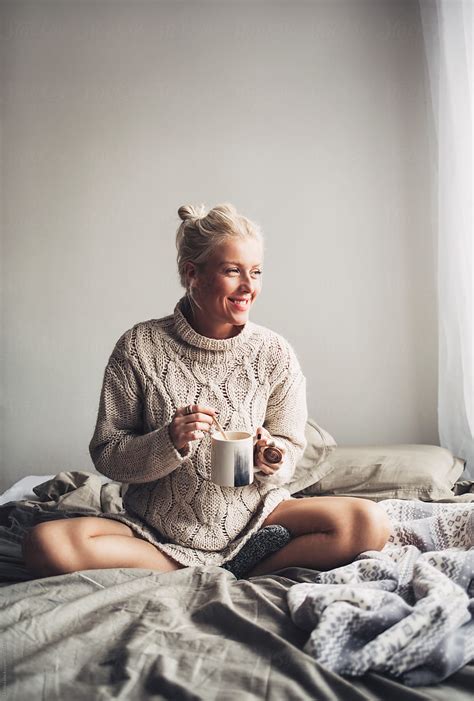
{"points": [[195, 633]]}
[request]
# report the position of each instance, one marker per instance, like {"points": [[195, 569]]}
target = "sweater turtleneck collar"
{"points": [[186, 332]]}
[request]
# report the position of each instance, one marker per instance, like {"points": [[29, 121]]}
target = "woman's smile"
{"points": [[240, 303]]}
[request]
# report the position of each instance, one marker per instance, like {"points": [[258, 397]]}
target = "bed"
{"points": [[200, 633]]}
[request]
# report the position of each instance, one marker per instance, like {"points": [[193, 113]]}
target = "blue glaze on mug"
{"points": [[242, 476]]}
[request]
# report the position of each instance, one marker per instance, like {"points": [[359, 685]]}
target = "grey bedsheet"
{"points": [[197, 633]]}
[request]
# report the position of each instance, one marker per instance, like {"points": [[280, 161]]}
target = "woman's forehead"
{"points": [[245, 252]]}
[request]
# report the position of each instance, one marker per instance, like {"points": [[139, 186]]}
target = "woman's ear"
{"points": [[190, 272]]}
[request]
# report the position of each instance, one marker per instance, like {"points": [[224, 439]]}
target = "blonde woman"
{"points": [[165, 380]]}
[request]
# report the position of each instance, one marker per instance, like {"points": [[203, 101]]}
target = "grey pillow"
{"points": [[313, 465], [425, 472]]}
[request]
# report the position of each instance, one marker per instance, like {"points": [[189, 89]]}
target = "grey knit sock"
{"points": [[264, 542]]}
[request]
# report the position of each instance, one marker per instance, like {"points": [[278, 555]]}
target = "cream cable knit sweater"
{"points": [[253, 379]]}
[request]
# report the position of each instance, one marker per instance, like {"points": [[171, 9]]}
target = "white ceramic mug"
{"points": [[232, 459]]}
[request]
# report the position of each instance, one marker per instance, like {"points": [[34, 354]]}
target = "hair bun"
{"points": [[189, 211]]}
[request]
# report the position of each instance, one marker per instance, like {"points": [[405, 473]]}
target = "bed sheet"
{"points": [[129, 633]]}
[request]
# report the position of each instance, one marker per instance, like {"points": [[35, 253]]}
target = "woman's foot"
{"points": [[264, 542]]}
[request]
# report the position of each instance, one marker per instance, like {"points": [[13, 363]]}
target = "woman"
{"points": [[164, 382]]}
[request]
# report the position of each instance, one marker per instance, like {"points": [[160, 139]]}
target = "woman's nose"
{"points": [[247, 282], [246, 286]]}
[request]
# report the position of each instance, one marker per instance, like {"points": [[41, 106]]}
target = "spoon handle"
{"points": [[220, 428]]}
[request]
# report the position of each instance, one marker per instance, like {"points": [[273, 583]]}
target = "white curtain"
{"points": [[447, 27]]}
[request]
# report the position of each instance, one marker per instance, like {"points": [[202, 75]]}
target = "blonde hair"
{"points": [[200, 233]]}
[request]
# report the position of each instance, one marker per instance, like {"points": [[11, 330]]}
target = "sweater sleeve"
{"points": [[286, 415], [119, 448]]}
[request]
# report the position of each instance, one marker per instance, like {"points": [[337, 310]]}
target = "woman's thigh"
{"points": [[324, 514], [79, 527], [50, 536], [67, 545]]}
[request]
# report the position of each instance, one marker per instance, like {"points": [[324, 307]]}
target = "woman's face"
{"points": [[226, 287]]}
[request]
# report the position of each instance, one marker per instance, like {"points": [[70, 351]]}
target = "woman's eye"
{"points": [[236, 270]]}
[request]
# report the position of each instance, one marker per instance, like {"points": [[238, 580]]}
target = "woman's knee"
{"points": [[47, 548], [371, 526], [35, 550]]}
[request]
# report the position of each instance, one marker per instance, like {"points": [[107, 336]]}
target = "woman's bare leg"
{"points": [[327, 532], [84, 543]]}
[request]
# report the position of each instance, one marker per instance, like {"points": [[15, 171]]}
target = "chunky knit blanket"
{"points": [[406, 611]]}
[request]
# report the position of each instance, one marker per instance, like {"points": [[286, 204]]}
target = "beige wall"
{"points": [[310, 117]]}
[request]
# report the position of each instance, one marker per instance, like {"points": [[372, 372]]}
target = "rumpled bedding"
{"points": [[67, 495], [130, 633], [407, 611]]}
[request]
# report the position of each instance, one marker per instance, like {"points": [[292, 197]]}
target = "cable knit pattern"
{"points": [[252, 379]]}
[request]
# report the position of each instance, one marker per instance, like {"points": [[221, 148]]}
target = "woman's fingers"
{"points": [[190, 423], [266, 469], [192, 409], [198, 418], [262, 434], [196, 427], [265, 439]]}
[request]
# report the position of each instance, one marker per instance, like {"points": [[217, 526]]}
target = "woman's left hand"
{"points": [[266, 440]]}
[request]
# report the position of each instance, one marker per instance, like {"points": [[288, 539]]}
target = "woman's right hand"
{"points": [[190, 423]]}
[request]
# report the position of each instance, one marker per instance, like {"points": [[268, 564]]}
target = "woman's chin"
{"points": [[240, 318]]}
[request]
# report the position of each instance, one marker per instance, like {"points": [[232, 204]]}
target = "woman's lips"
{"points": [[240, 305]]}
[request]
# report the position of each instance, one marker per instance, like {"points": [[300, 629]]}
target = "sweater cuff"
{"points": [[165, 454], [182, 452]]}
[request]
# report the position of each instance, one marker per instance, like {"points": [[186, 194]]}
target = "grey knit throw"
{"points": [[406, 611]]}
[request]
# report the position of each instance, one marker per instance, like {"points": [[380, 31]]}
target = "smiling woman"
{"points": [[223, 287], [223, 294], [164, 384]]}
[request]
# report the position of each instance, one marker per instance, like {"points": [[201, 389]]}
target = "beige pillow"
{"points": [[425, 472], [313, 464]]}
